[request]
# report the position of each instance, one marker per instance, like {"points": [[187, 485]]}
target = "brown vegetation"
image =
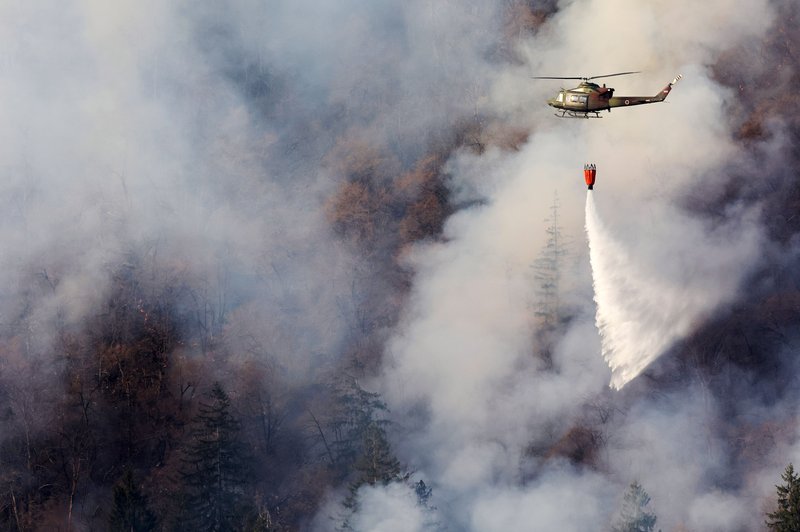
{"points": [[580, 445], [125, 399]]}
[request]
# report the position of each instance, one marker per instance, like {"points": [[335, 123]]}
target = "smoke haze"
{"points": [[477, 409], [360, 191]]}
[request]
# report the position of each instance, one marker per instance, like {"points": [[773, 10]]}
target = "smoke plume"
{"points": [[288, 196], [484, 418]]}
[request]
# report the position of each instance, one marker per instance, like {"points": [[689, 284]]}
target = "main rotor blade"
{"points": [[612, 75], [588, 78]]}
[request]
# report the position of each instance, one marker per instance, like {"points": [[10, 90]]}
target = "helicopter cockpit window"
{"points": [[577, 98], [560, 97]]}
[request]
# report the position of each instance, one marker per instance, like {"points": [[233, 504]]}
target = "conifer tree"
{"points": [[377, 464], [130, 511], [786, 518], [423, 493], [214, 467], [365, 442], [358, 412], [548, 268], [633, 515], [361, 444]]}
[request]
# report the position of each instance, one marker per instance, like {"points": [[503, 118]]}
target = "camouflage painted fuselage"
{"points": [[590, 97]]}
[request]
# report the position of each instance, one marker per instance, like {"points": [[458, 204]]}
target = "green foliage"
{"points": [[633, 515], [358, 413], [214, 471], [376, 465], [786, 518], [130, 511], [361, 446], [365, 445]]}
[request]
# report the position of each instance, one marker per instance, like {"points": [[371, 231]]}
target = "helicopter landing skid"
{"points": [[578, 114]]}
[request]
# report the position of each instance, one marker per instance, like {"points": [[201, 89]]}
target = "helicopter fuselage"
{"points": [[590, 97]]}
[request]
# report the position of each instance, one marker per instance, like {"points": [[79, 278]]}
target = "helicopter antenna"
{"points": [[588, 78]]}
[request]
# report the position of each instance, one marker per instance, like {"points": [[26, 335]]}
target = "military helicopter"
{"points": [[591, 98]]}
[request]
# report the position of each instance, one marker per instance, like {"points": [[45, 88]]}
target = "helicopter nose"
{"points": [[551, 102]]}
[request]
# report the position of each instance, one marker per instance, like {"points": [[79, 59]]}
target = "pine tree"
{"points": [[130, 511], [214, 468], [547, 269], [633, 515], [374, 462], [787, 517], [423, 493], [361, 445], [358, 411], [377, 464]]}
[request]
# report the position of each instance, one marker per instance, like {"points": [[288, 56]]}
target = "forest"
{"points": [[283, 267]]}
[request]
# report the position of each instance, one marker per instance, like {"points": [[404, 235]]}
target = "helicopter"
{"points": [[588, 99]]}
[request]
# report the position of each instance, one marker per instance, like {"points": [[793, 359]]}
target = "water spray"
{"points": [[636, 314]]}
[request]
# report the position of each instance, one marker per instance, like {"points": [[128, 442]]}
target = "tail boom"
{"points": [[627, 101]]}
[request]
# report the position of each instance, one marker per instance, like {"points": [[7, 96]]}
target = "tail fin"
{"points": [[661, 96]]}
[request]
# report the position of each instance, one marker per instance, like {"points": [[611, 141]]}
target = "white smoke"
{"points": [[122, 129], [391, 508], [476, 407], [650, 293], [122, 136]]}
